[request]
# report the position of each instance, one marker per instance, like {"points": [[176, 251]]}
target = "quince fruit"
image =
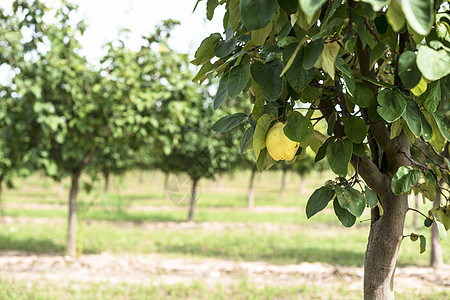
{"points": [[280, 147]]}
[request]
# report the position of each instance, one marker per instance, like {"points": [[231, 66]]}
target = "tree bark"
{"points": [[283, 184], [192, 203], [302, 189], [106, 187], [416, 217], [1, 204], [166, 186], [72, 219], [436, 258], [251, 196], [385, 237]]}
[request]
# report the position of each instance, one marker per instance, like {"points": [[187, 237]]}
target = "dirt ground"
{"points": [[160, 269]]}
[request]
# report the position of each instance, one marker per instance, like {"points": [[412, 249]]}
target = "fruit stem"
{"points": [[417, 211]]}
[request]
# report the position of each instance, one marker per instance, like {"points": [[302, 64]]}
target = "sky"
{"points": [[105, 17]]}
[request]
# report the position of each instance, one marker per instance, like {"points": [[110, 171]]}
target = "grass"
{"points": [[279, 236], [332, 245], [241, 288], [202, 214]]}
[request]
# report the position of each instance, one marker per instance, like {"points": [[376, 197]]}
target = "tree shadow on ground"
{"points": [[275, 255], [36, 246]]}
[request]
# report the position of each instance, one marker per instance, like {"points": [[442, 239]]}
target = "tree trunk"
{"points": [[436, 259], [302, 189], [417, 219], [61, 189], [166, 186], [385, 237], [72, 221], [1, 204], [251, 196], [192, 204], [283, 184], [106, 187]]}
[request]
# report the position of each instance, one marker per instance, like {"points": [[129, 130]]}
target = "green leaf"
{"points": [[407, 69], [362, 96], [393, 105], [426, 129], [441, 125], [355, 129], [225, 48], [304, 21], [432, 97], [319, 200], [259, 137], [246, 138], [378, 52], [298, 128], [289, 6], [327, 58], [351, 200], [229, 122], [235, 14], [309, 7], [413, 118], [359, 149], [441, 229], [347, 74], [346, 218], [323, 149], [221, 91], [259, 36], [296, 75], [267, 76], [381, 24], [433, 64], [331, 123], [339, 153], [395, 16], [377, 5], [238, 78], [210, 6], [423, 244], [371, 197], [419, 14], [312, 52], [256, 14], [261, 160], [310, 94], [404, 180], [206, 50]]}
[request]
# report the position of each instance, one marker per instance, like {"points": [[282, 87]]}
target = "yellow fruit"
{"points": [[162, 49], [280, 147], [420, 88]]}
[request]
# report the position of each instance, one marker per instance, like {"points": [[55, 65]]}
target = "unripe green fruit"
{"points": [[413, 237], [428, 222]]}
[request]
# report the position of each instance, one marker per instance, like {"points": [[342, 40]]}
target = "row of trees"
{"points": [[377, 72], [133, 109]]}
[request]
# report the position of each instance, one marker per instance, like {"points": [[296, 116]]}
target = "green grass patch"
{"points": [[202, 214], [241, 288]]}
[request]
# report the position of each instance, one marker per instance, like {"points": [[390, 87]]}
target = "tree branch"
{"points": [[373, 177]]}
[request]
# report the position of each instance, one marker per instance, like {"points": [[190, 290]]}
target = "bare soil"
{"points": [[160, 269]]}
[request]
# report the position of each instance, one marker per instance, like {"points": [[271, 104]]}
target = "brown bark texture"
{"points": [[72, 218]]}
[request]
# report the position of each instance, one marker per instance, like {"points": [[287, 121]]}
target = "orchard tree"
{"points": [[15, 119], [63, 97], [377, 71]]}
